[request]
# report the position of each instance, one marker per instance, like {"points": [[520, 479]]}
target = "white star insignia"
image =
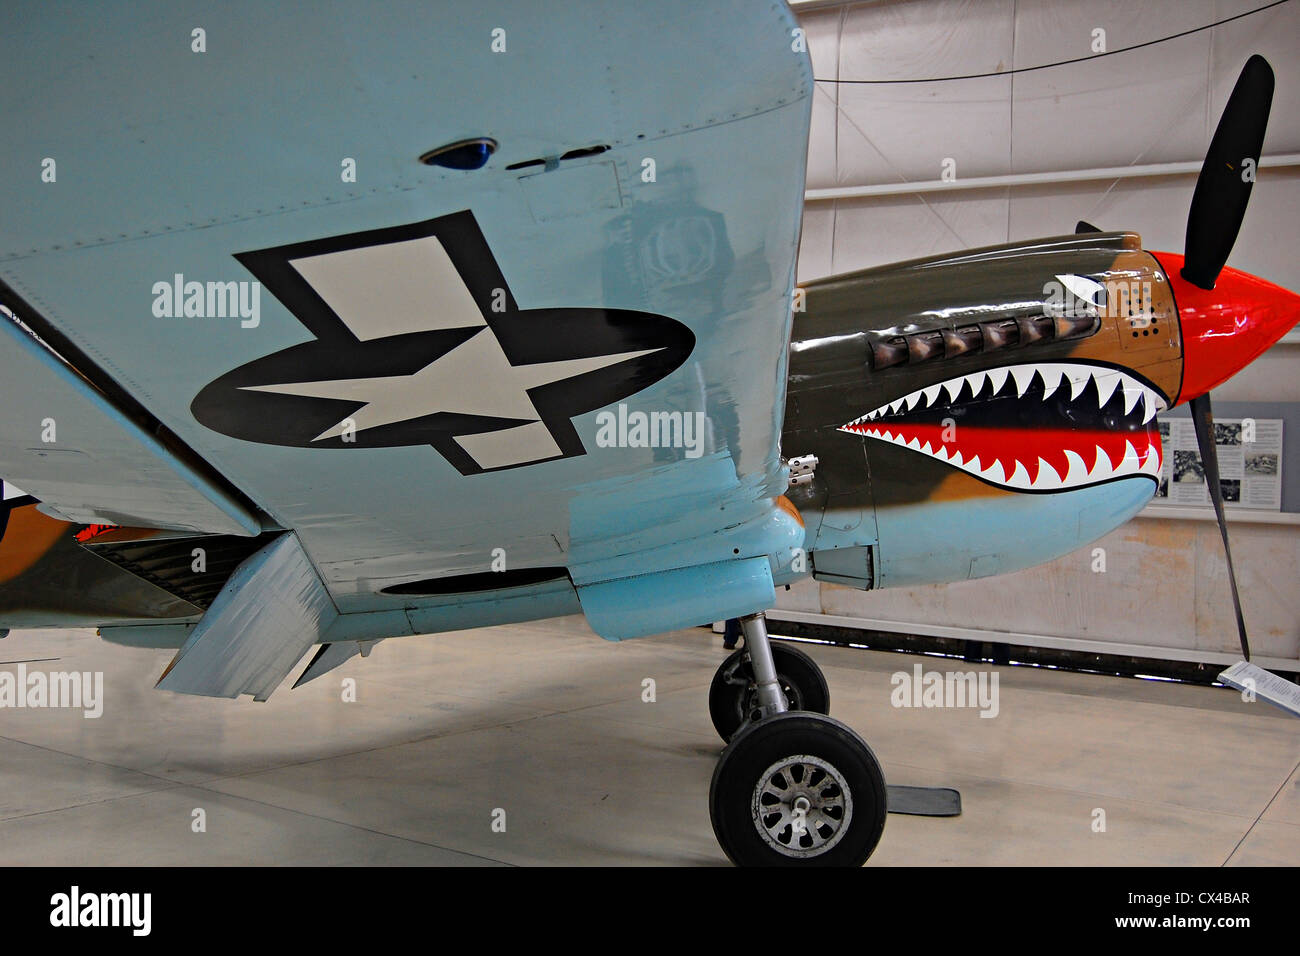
{"points": [[401, 287]]}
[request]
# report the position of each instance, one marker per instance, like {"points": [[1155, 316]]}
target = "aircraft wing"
{"points": [[567, 366], [90, 460]]}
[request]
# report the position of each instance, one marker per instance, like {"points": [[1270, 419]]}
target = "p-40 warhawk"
{"points": [[466, 254]]}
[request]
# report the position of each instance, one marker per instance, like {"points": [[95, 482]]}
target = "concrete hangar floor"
{"points": [[543, 727]]}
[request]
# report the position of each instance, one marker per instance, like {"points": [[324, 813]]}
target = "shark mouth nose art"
{"points": [[1031, 427]]}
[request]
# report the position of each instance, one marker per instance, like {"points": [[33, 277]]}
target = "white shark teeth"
{"points": [[1101, 467], [1023, 374], [1048, 475], [1053, 376], [1051, 379], [1078, 471], [1082, 469], [1019, 477], [1152, 465], [1106, 385], [1131, 395]]}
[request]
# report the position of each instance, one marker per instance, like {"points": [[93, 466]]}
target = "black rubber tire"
{"points": [[731, 704], [762, 744]]}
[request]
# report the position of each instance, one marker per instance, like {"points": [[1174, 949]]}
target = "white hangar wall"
{"points": [[1165, 590]]}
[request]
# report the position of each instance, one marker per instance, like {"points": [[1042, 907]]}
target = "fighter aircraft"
{"points": [[319, 334]]}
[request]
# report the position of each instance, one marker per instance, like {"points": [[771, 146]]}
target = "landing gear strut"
{"points": [[794, 787], [734, 698]]}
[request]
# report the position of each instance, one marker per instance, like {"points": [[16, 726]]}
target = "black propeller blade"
{"points": [[1219, 203], [1203, 418], [1218, 207]]}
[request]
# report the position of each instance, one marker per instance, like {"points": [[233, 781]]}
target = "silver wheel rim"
{"points": [[801, 806]]}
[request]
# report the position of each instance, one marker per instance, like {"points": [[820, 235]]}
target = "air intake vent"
{"points": [[169, 563], [467, 154]]}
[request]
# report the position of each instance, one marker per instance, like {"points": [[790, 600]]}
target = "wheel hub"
{"points": [[801, 806], [749, 707]]}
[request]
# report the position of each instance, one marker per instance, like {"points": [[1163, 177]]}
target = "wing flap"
{"points": [[270, 612]]}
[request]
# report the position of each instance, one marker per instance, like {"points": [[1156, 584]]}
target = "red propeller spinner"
{"points": [[1226, 328], [1227, 317]]}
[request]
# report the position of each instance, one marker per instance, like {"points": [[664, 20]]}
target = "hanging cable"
{"points": [[1077, 59]]}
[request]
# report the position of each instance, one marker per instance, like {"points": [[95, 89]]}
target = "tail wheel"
{"points": [[732, 697], [798, 789]]}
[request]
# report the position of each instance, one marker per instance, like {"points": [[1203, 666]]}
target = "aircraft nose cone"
{"points": [[1228, 327]]}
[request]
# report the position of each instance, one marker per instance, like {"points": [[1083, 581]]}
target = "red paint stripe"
{"points": [[1023, 445]]}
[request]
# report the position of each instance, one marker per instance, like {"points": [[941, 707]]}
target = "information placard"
{"points": [[1250, 463]]}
